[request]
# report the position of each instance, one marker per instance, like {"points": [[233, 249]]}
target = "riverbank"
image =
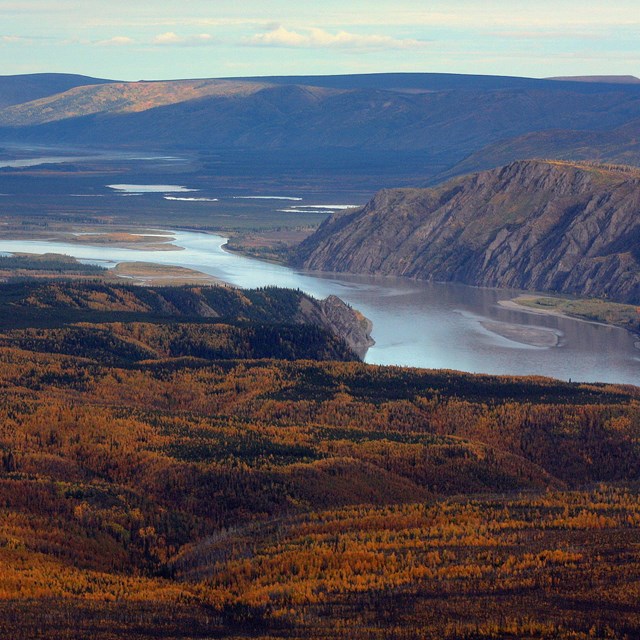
{"points": [[121, 237], [145, 241], [416, 324], [270, 246], [149, 273], [593, 311]]}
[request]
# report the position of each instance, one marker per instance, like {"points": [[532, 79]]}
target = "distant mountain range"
{"points": [[25, 88], [435, 124], [538, 225], [609, 79]]}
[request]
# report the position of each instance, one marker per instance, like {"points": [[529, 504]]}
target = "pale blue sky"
{"points": [[131, 40]]}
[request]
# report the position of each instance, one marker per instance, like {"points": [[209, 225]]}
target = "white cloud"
{"points": [[315, 38], [12, 39], [116, 41], [167, 38], [171, 38]]}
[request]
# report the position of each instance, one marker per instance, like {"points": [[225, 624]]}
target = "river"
{"points": [[415, 323]]}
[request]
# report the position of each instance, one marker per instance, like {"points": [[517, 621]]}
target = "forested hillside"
{"points": [[147, 491], [123, 323]]}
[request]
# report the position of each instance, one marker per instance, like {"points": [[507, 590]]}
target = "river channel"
{"points": [[415, 323]]}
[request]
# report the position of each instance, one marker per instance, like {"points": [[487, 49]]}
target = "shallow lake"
{"points": [[415, 323]]}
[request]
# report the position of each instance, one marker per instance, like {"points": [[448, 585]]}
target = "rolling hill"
{"points": [[209, 462], [416, 123], [120, 97], [412, 82], [25, 88], [608, 79], [618, 146], [152, 489], [451, 123], [224, 321]]}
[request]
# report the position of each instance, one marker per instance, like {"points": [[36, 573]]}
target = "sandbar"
{"points": [[149, 273], [532, 336]]}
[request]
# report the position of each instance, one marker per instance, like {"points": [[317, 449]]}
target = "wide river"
{"points": [[414, 323]]}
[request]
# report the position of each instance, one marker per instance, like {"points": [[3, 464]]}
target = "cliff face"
{"points": [[546, 226], [340, 319]]}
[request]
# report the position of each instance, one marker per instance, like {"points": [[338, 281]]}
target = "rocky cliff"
{"points": [[538, 225], [339, 318]]}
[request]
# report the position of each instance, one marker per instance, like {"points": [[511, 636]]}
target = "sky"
{"points": [[161, 39]]}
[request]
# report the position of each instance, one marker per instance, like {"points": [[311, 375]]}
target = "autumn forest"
{"points": [[167, 472]]}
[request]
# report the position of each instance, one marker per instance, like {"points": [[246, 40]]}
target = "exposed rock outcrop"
{"points": [[538, 225], [340, 319]]}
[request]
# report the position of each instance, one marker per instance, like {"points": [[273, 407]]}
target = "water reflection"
{"points": [[415, 323]]}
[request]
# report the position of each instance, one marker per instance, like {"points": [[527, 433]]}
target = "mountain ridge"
{"points": [[618, 146], [600, 79], [407, 124], [118, 97], [534, 224], [430, 81], [17, 89]]}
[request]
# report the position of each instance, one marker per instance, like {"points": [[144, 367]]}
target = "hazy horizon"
{"points": [[588, 77], [152, 41]]}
